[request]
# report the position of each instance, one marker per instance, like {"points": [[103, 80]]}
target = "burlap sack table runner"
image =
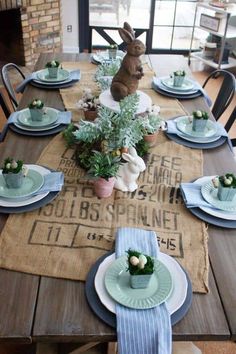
{"points": [[64, 238]]}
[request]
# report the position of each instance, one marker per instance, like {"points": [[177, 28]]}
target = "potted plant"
{"points": [[104, 168], [36, 110], [89, 103], [152, 123], [178, 78], [226, 185], [13, 172], [141, 268], [105, 73], [199, 121], [53, 67], [112, 51]]}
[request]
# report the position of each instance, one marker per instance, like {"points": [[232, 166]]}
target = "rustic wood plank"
{"points": [[17, 303], [46, 348], [205, 318], [222, 246], [63, 314]]}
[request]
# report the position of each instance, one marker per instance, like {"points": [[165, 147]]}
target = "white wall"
{"points": [[70, 16]]}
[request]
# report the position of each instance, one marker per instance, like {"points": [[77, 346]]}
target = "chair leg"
{"points": [[112, 348]]}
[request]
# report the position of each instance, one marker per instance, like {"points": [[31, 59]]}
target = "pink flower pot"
{"points": [[104, 188]]}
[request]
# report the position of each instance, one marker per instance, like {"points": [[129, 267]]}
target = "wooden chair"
{"points": [[226, 91], [7, 82]]}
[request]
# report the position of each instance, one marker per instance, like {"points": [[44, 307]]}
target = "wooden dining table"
{"points": [[41, 309]]}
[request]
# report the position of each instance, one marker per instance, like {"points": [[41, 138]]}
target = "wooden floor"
{"points": [[206, 347]]}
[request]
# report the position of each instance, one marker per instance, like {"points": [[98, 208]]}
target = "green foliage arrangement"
{"points": [[68, 135], [36, 104], [119, 130], [107, 69], [52, 64], [228, 180], [103, 165], [12, 166], [152, 122], [179, 73], [200, 115], [142, 148], [139, 264]]}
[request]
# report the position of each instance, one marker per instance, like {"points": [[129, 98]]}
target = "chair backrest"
{"points": [[7, 82], [4, 106], [226, 91], [229, 124]]}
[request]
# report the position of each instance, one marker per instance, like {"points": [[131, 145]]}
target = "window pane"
{"points": [[185, 13], [162, 37], [113, 13], [164, 14], [182, 38]]}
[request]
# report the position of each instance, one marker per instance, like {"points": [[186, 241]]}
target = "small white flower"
{"points": [[199, 114], [141, 264], [142, 259], [8, 165], [227, 181], [53, 63], [215, 182], [134, 261], [14, 164]]}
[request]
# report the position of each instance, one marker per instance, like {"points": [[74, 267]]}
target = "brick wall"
{"points": [[41, 27]]}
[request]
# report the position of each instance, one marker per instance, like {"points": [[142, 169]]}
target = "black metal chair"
{"points": [[6, 111], [226, 91], [7, 82], [4, 106], [229, 124]]}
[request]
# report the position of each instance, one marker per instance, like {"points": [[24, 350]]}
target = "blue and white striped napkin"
{"points": [[192, 196], [141, 331], [53, 182], [74, 77]]}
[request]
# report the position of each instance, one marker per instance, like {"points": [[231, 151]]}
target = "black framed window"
{"points": [[165, 26]]}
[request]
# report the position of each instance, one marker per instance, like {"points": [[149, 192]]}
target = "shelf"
{"points": [[230, 9], [231, 32], [199, 56]]}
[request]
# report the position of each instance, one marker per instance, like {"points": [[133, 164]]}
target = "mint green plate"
{"points": [[209, 193], [31, 184], [62, 75], [50, 117], [117, 283], [184, 124], [187, 84]]}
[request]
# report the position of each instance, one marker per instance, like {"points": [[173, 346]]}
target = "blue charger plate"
{"points": [[110, 318]]}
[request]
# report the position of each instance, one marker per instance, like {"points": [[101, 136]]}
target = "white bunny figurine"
{"points": [[129, 171]]}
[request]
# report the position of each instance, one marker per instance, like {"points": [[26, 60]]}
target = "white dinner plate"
{"points": [[26, 201], [62, 76], [104, 56], [215, 212], [175, 299], [159, 84], [36, 129], [50, 117], [198, 140], [188, 84], [209, 193], [185, 123]]}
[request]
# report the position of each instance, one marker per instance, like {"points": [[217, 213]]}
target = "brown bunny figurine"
{"points": [[125, 82]]}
